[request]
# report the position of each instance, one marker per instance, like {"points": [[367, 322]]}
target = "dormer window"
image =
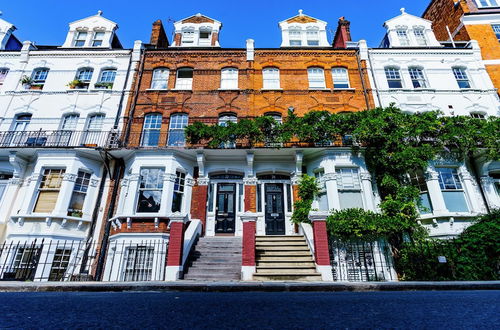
{"points": [[403, 37], [420, 37], [295, 36], [204, 39], [187, 37], [80, 39], [98, 39], [312, 37]]}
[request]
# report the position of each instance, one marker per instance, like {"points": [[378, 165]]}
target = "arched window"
{"points": [[462, 78], [84, 75], [184, 79], [229, 78], [271, 78], [178, 123], [417, 77], [340, 78], [316, 77], [107, 76], [160, 78], [393, 76], [478, 115], [275, 115], [69, 122], [3, 74], [39, 75], [21, 123], [226, 118], [67, 131], [151, 130]]}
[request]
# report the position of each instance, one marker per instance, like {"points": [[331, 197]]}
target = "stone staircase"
{"points": [[215, 259], [284, 258]]}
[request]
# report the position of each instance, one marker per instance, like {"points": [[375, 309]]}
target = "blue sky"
{"points": [[45, 21]]}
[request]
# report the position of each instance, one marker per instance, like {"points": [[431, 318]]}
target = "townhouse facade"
{"points": [[97, 180]]}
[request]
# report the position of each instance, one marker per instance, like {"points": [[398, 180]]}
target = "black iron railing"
{"points": [[358, 261], [59, 139], [51, 260]]}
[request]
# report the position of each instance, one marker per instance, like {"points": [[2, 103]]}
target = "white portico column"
{"points": [[366, 183], [472, 191], [435, 194], [332, 191], [493, 198]]}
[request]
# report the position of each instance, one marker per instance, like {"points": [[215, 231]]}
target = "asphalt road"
{"points": [[251, 310]]}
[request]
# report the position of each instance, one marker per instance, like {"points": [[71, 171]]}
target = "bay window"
{"points": [[48, 190], [322, 197], [82, 182], [349, 188], [150, 190], [418, 180], [452, 189], [180, 180]]}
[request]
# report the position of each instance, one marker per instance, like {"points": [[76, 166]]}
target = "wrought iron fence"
{"points": [[59, 139], [358, 261], [55, 260]]}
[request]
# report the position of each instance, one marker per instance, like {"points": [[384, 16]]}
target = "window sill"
{"points": [[344, 89], [324, 89], [181, 90], [228, 89], [156, 89], [272, 89]]}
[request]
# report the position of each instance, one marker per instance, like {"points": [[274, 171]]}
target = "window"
{"points": [[84, 74], [229, 78], [59, 264], [180, 180], [138, 263], [496, 29], [205, 38], [223, 121], [98, 38], [178, 123], [3, 74], [478, 115], [417, 179], [184, 79], [487, 3], [26, 262], [340, 78], [271, 78], [461, 77], [417, 77], [420, 37], [295, 36], [94, 129], [349, 186], [403, 37], [393, 78], [151, 130], [80, 38], [39, 76], [82, 182], [312, 37], [21, 123], [160, 79], [48, 190], [69, 122], [322, 197], [451, 187], [276, 116], [187, 37], [68, 128], [4, 182], [150, 190], [108, 76], [316, 78]]}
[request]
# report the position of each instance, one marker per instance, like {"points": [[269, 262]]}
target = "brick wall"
{"points": [[321, 251], [142, 226], [199, 204], [251, 198], [444, 13], [248, 253]]}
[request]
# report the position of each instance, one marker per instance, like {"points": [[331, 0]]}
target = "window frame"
{"points": [[420, 37], [456, 186], [392, 70], [113, 72], [39, 76], [462, 77], [151, 125], [403, 37], [4, 72], [80, 189], [489, 4], [184, 84], [94, 38], [164, 74], [496, 30], [418, 78], [229, 78], [341, 76], [295, 36], [178, 192], [156, 186], [313, 78], [356, 187], [271, 78], [314, 41], [78, 40], [45, 176], [177, 124]]}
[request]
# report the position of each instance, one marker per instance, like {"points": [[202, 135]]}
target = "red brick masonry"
{"points": [[248, 255], [321, 252]]}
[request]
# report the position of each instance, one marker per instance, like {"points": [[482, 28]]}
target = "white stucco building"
{"points": [[417, 73], [60, 105]]}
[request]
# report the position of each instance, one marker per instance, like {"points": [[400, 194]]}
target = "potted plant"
{"points": [[75, 84], [76, 213], [26, 82], [103, 85]]}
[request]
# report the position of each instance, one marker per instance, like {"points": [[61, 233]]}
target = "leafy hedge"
{"points": [[474, 255]]}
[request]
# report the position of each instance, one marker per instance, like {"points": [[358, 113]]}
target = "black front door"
{"points": [[275, 215], [226, 207]]}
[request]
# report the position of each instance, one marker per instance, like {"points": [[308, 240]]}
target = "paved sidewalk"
{"points": [[243, 286]]}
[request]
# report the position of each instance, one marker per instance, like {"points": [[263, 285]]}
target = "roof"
{"points": [[197, 19], [302, 19]]}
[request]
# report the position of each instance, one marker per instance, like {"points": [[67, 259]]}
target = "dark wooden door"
{"points": [[226, 208], [275, 215]]}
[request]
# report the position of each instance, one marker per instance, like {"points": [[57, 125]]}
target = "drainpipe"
{"points": [[136, 96], [363, 82], [374, 79], [118, 173]]}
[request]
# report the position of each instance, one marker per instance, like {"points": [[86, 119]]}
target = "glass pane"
{"points": [[426, 205], [323, 202], [177, 202], [350, 199], [149, 201], [210, 198], [455, 201]]}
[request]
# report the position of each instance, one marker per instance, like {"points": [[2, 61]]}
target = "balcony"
{"points": [[59, 139]]}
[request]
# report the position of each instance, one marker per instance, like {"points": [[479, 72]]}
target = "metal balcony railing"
{"points": [[59, 139]]}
